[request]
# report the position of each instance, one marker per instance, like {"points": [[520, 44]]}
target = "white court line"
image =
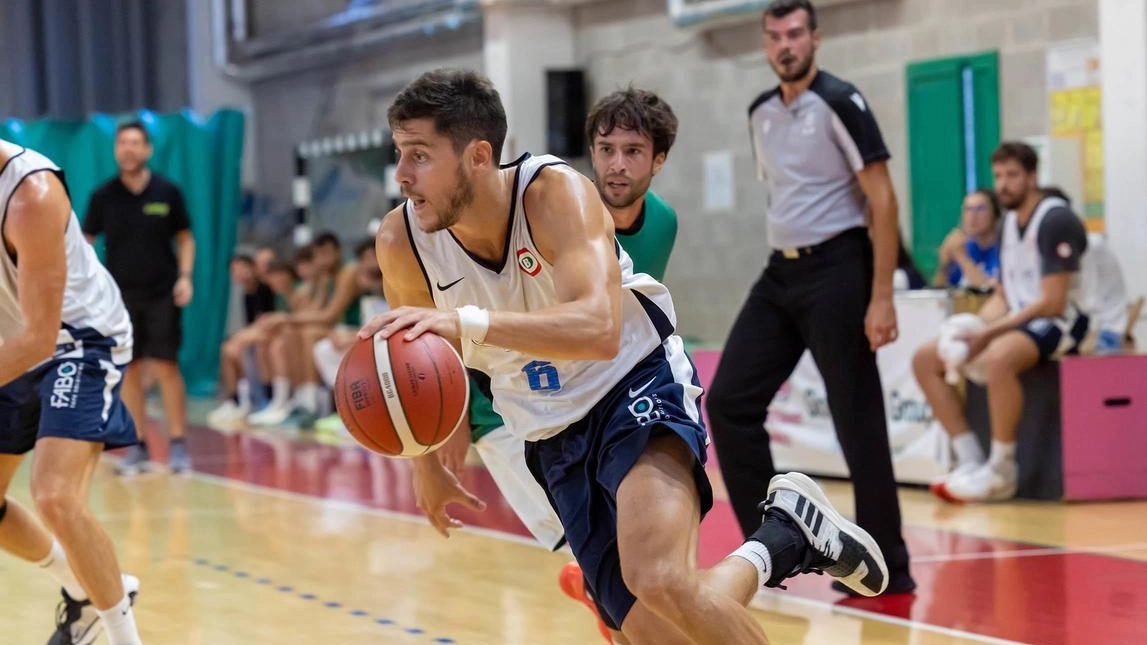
{"points": [[902, 622], [168, 514], [359, 508], [507, 537], [1026, 553]]}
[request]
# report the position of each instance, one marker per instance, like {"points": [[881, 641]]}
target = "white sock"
{"points": [[967, 449], [1003, 454], [756, 554], [243, 393], [119, 621], [307, 396], [280, 392], [56, 565]]}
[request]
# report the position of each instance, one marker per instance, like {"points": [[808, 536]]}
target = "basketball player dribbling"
{"points": [[630, 133], [585, 367], [66, 339]]}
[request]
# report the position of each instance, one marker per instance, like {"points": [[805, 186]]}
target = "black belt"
{"points": [[797, 252]]}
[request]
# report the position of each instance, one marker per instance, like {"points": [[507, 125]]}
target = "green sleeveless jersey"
{"points": [[649, 241]]}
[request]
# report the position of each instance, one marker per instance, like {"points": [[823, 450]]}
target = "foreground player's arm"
{"points": [[435, 486], [574, 233], [38, 215]]}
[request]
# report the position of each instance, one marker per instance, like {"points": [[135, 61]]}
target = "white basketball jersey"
{"points": [[93, 308], [1020, 260], [537, 397]]}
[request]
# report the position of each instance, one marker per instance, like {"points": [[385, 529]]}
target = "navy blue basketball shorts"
{"points": [[582, 467], [74, 395], [1057, 337]]}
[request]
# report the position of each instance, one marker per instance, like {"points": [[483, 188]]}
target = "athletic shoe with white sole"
{"points": [[78, 622], [937, 486], [134, 462], [987, 483], [228, 416], [836, 546]]}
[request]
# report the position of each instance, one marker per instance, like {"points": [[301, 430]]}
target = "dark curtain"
{"points": [[65, 59]]}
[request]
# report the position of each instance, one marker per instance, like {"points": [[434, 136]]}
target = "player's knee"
{"points": [[662, 587], [998, 364], [926, 361], [56, 504], [232, 350]]}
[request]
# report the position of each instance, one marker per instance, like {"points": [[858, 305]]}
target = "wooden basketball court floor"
{"points": [[282, 538]]}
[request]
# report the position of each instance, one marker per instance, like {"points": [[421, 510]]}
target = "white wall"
{"points": [[1123, 42], [520, 44], [710, 77]]}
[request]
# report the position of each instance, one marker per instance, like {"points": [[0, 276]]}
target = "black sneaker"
{"points": [[836, 546], [78, 622]]}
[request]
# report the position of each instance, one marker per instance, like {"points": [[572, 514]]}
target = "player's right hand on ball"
{"points": [[435, 487], [416, 320]]}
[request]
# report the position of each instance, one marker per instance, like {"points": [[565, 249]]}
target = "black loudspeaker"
{"points": [[565, 112]]}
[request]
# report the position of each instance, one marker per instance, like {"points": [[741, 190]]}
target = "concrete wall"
{"points": [[347, 98], [269, 17], [710, 77]]}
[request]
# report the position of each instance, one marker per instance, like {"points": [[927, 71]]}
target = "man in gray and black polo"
{"points": [[827, 287]]}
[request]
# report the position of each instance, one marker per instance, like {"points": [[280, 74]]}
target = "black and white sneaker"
{"points": [[78, 622], [837, 547]]}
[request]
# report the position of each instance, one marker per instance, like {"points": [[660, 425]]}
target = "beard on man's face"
{"points": [[789, 68]]}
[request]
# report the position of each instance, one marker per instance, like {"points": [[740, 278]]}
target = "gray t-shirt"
{"points": [[1062, 240], [808, 154]]}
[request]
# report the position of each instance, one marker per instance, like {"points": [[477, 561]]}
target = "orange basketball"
{"points": [[399, 398]]}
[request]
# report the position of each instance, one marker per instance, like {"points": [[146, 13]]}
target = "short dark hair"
{"points": [[327, 237], [634, 109], [134, 125], [244, 258], [303, 254], [363, 246], [993, 201], [1017, 151], [282, 266], [781, 8], [463, 104]]}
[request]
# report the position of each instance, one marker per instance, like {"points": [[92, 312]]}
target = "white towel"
{"points": [[954, 352]]}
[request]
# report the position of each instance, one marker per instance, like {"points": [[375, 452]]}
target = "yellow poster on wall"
{"points": [[1076, 112]]}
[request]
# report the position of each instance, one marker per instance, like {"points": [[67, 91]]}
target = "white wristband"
{"points": [[474, 322]]}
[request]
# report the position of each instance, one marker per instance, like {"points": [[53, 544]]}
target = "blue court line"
{"points": [[329, 604]]}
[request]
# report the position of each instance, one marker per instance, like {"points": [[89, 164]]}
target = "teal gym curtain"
{"points": [[203, 158]]}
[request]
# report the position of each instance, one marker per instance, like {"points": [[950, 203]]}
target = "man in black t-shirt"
{"points": [[140, 214]]}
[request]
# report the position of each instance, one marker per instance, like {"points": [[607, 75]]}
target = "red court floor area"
{"points": [[995, 588]]}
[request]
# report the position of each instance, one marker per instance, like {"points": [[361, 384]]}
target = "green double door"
{"points": [[953, 126]]}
